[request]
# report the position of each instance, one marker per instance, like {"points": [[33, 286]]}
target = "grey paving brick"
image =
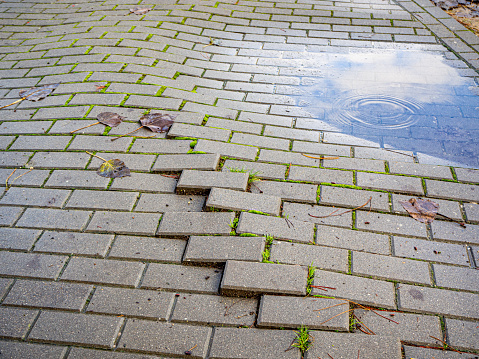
{"points": [[467, 175], [103, 271], [462, 334], [62, 113], [351, 239], [17, 159], [48, 295], [95, 143], [182, 278], [452, 209], [30, 127], [449, 190], [240, 126], [86, 199], [169, 203], [145, 182], [124, 222], [66, 126], [295, 134], [430, 250], [180, 129], [319, 175], [362, 290], [438, 301], [379, 153], [472, 212], [219, 249], [165, 338], [97, 99], [60, 160], [305, 212], [16, 238], [26, 350], [374, 346], [5, 141], [237, 201], [27, 265], [184, 223], [69, 328], [390, 183], [279, 228], [246, 278], [227, 149], [378, 222], [38, 197], [214, 310], [419, 352], [191, 161], [9, 215], [53, 219], [131, 303], [260, 141], [346, 197], [76, 179], [261, 170], [160, 146], [41, 143], [360, 164], [191, 179], [266, 119], [297, 192], [5, 285], [134, 162], [310, 255], [286, 157], [252, 343], [211, 110], [453, 232], [421, 170], [456, 277], [14, 323], [74, 243]]}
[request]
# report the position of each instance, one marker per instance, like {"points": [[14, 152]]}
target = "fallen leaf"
{"points": [[111, 119], [113, 169], [422, 210], [100, 87], [138, 11], [38, 93], [157, 122]]}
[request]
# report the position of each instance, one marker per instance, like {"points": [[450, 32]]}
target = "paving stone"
{"points": [[390, 183], [134, 162], [80, 353], [13, 350], [387, 267], [124, 222], [362, 290], [160, 146], [342, 345], [5, 286], [180, 129], [96, 143], [450, 190], [452, 209], [145, 182], [148, 249], [76, 179], [227, 149], [37, 197], [246, 278], [462, 334], [103, 271], [165, 338], [379, 153], [320, 148], [350, 239], [48, 295], [237, 201], [184, 223], [260, 141], [467, 175], [57, 160], [453, 232], [28, 265], [409, 328], [131, 303], [182, 278], [456, 277], [240, 126], [310, 255], [30, 127], [16, 238], [426, 353], [472, 212], [84, 199], [387, 223], [294, 312], [14, 323], [252, 343], [66, 126], [69, 328], [286, 157], [304, 212], [17, 159], [53, 219], [261, 170], [430, 250], [355, 164], [5, 141], [422, 170], [319, 175], [279, 228], [214, 310], [9, 215], [347, 197], [74, 243], [191, 179], [264, 119], [297, 192], [438, 301], [206, 162], [219, 249], [41, 143], [169, 203]]}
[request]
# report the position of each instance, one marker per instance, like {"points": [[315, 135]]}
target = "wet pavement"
{"points": [[266, 223]]}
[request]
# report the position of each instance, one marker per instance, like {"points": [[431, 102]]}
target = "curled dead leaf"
{"points": [[38, 93], [422, 210], [113, 169], [157, 122], [139, 11]]}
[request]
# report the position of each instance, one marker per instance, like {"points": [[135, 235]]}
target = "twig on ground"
{"points": [[116, 138], [321, 157], [6, 182], [7, 187], [101, 158], [462, 224], [337, 315], [447, 345], [332, 214], [331, 306], [23, 98]]}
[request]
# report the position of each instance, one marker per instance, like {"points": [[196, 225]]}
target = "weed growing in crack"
{"points": [[303, 340], [309, 283]]}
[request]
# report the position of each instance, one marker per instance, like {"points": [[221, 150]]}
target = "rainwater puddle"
{"points": [[397, 99]]}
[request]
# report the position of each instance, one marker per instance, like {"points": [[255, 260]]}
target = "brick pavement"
{"points": [[208, 249]]}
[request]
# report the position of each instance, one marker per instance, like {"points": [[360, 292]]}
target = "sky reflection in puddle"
{"points": [[406, 100]]}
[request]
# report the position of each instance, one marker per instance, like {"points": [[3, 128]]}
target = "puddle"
{"points": [[398, 99]]}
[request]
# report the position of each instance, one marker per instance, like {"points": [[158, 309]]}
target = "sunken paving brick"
{"points": [[103, 271], [261, 170], [279, 228], [124, 222], [80, 329], [310, 255], [245, 278], [28, 350], [182, 278], [214, 310], [85, 199], [253, 343], [190, 179], [137, 303], [35, 197], [15, 322], [28, 265], [297, 192], [449, 231], [186, 223], [54, 219], [150, 202], [409, 328], [165, 338], [439, 301], [362, 290], [238, 201], [219, 249], [48, 295], [462, 334], [18, 238], [74, 243], [456, 277], [294, 312], [145, 182], [205, 162], [390, 183]]}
